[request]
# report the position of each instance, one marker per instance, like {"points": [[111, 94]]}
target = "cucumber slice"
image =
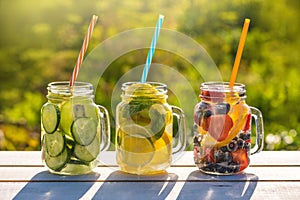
{"points": [[58, 162], [84, 130], [88, 153], [74, 109], [55, 143], [50, 117]]}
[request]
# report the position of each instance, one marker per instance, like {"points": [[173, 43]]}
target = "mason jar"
{"points": [[72, 127], [144, 129], [222, 129]]}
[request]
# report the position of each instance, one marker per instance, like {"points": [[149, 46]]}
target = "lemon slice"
{"points": [[239, 115], [141, 89], [135, 147], [163, 150], [158, 114]]}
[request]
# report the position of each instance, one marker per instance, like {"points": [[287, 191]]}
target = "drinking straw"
{"points": [[83, 50], [239, 52], [152, 48]]}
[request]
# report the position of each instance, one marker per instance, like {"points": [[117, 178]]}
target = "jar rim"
{"points": [[222, 87], [63, 87], [217, 90], [142, 89]]}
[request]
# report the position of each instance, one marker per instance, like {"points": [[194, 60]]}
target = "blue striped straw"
{"points": [[152, 49]]}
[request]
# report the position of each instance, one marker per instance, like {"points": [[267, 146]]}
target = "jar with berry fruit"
{"points": [[222, 129]]}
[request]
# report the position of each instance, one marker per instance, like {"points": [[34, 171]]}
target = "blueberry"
{"points": [[223, 148], [221, 108], [240, 143], [232, 146], [247, 146], [201, 111], [227, 157], [235, 168], [203, 106], [245, 136], [219, 156], [221, 169], [230, 168], [197, 140], [208, 166], [207, 114]]}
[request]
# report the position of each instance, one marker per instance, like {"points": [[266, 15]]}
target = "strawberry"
{"points": [[248, 123], [240, 156], [218, 126], [213, 96]]}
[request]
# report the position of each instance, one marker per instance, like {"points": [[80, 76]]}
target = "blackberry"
{"points": [[232, 146]]}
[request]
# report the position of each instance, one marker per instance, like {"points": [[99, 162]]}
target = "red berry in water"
{"points": [[240, 156], [218, 126], [212, 96], [248, 123]]}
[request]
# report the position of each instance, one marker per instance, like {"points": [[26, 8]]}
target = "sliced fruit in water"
{"points": [[158, 117], [136, 130], [58, 162], [88, 153], [84, 130], [218, 126], [163, 150], [55, 143], [50, 117], [136, 151], [135, 147], [77, 108]]}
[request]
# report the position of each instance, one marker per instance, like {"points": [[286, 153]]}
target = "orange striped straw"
{"points": [[239, 52], [83, 50]]}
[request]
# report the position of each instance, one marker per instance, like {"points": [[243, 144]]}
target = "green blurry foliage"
{"points": [[40, 41]]}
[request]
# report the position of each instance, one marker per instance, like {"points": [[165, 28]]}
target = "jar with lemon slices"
{"points": [[222, 129], [144, 129]]}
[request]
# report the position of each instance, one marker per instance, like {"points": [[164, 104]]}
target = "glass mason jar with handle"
{"points": [[73, 129], [144, 129], [222, 129]]}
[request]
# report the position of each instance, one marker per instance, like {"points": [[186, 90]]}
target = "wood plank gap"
{"points": [[144, 181]]}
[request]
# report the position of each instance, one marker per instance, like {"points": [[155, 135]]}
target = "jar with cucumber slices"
{"points": [[72, 127], [144, 129]]}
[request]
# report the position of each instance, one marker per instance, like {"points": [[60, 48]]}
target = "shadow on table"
{"points": [[203, 186], [45, 185], [119, 185]]}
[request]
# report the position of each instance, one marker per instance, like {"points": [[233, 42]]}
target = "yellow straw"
{"points": [[239, 52]]}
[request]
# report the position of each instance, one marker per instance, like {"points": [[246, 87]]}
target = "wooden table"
{"points": [[272, 175]]}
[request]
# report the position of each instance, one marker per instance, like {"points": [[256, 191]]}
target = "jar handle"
{"points": [[105, 128], [259, 130], [181, 132]]}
